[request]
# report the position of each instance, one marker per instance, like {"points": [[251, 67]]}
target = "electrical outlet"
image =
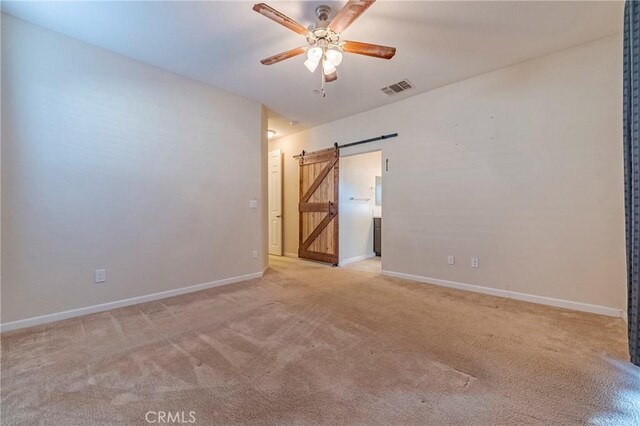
{"points": [[475, 262], [451, 260], [100, 275], [255, 254]]}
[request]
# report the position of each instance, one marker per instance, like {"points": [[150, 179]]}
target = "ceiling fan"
{"points": [[325, 47]]}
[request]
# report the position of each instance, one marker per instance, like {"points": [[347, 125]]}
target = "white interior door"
{"points": [[275, 202]]}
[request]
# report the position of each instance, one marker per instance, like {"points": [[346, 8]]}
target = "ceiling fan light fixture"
{"points": [[311, 65], [324, 38], [314, 54], [271, 133], [334, 56], [328, 67]]}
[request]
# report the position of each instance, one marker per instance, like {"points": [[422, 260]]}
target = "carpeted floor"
{"points": [[309, 344]]}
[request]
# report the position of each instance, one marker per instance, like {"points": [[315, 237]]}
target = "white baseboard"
{"points": [[356, 259], [542, 300], [295, 255], [58, 316]]}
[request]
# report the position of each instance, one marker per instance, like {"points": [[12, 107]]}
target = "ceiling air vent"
{"points": [[398, 87]]}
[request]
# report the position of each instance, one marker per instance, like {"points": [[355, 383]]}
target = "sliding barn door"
{"points": [[318, 206]]}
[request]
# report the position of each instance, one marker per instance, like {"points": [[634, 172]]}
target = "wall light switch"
{"points": [[474, 262], [100, 275], [451, 260], [253, 204], [255, 254]]}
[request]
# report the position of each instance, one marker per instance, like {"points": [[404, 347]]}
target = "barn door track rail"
{"points": [[346, 145], [379, 138]]}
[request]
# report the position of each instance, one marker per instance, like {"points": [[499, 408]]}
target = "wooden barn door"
{"points": [[318, 206]]}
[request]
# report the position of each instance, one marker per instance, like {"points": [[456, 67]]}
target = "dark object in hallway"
{"points": [[377, 235]]}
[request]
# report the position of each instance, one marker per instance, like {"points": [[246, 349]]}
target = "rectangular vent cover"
{"points": [[398, 87]]}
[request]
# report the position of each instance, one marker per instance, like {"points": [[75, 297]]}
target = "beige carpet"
{"points": [[310, 344]]}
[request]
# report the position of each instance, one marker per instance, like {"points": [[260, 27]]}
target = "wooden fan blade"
{"points": [[349, 13], [331, 77], [282, 56], [279, 17], [375, 50]]}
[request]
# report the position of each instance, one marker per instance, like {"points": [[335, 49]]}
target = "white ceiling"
{"points": [[221, 43]]}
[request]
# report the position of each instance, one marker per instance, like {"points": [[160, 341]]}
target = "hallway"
{"points": [[373, 265]]}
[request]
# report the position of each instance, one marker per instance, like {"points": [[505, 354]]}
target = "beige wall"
{"points": [[521, 167], [110, 163], [357, 180]]}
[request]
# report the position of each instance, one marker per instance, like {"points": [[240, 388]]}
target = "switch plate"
{"points": [[475, 262], [451, 260], [253, 204], [255, 254], [100, 275]]}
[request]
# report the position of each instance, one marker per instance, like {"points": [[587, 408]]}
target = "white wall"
{"points": [[521, 167], [110, 163], [357, 180]]}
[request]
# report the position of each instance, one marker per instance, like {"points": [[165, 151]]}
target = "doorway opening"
{"points": [[360, 189]]}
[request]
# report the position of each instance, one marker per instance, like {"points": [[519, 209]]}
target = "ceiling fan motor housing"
{"points": [[319, 33], [322, 12]]}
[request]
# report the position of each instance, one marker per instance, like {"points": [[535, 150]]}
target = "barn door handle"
{"points": [[279, 216]]}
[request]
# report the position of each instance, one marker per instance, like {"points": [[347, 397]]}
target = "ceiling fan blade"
{"points": [[375, 50], [279, 17], [283, 55], [349, 13], [331, 77]]}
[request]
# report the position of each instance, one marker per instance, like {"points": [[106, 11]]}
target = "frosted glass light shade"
{"points": [[328, 67], [311, 65], [334, 56], [314, 54]]}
